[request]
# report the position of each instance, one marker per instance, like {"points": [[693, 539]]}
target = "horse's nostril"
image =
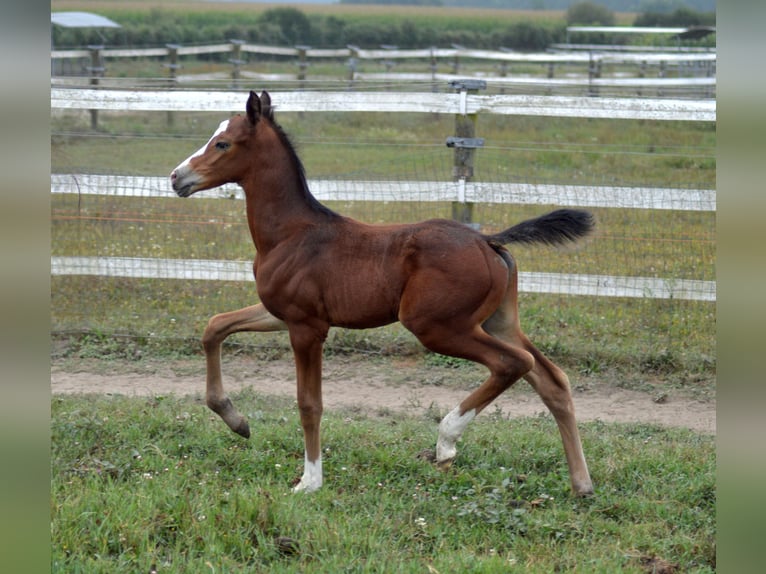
{"points": [[173, 175]]}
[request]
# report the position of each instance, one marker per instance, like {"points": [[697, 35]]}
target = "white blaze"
{"points": [[221, 128]]}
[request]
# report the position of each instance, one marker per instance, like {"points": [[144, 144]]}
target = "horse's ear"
{"points": [[266, 109], [253, 108]]}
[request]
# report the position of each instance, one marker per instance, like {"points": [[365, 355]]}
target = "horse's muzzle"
{"points": [[183, 186]]}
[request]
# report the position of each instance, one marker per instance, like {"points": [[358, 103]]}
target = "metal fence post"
{"points": [[464, 143]]}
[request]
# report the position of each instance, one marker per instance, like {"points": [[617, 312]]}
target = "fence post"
{"points": [[172, 67], [434, 68], [388, 64], [504, 66], [303, 64], [594, 72], [236, 61], [353, 59], [464, 143], [172, 64], [456, 58], [96, 70]]}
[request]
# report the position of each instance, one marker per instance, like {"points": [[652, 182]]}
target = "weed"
{"points": [[664, 361]]}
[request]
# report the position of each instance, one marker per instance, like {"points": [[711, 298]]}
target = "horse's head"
{"points": [[225, 157]]}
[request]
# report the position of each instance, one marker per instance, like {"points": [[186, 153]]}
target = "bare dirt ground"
{"points": [[384, 385]]}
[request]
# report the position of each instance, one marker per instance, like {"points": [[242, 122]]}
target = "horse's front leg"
{"points": [[307, 347], [253, 318]]}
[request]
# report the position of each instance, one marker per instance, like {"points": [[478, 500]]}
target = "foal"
{"points": [[452, 287]]}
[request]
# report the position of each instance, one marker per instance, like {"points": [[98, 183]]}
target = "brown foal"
{"points": [[453, 287]]}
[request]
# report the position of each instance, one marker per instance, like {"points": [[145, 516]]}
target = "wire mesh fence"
{"points": [[131, 259]]}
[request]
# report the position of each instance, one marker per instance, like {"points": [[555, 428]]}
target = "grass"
{"points": [[159, 481]]}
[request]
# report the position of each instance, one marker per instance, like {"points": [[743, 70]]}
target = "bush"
{"points": [[679, 17], [290, 24], [525, 36]]}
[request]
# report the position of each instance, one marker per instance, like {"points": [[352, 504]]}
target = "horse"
{"points": [[453, 287]]}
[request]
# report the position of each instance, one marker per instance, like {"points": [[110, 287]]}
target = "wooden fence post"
{"points": [[456, 58], [172, 67], [594, 72], [434, 67], [236, 62], [96, 70], [303, 64], [353, 59], [464, 143]]}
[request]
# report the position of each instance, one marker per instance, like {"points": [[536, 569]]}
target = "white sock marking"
{"points": [[450, 431], [312, 476]]}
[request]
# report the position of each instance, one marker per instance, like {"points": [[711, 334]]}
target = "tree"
{"points": [[293, 26], [590, 14]]}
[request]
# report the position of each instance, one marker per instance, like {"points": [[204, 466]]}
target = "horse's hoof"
{"points": [[445, 464], [585, 493], [243, 429]]}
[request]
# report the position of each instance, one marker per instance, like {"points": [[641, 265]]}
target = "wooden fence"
{"points": [[649, 70], [462, 104]]}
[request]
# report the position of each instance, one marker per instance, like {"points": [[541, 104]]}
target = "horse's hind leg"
{"points": [[253, 318], [552, 384], [505, 362]]}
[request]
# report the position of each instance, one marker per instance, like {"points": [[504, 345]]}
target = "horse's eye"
{"points": [[223, 146]]}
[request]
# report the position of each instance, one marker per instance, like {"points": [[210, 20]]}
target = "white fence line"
{"points": [[689, 67], [391, 102], [533, 282], [379, 55], [504, 82], [470, 191]]}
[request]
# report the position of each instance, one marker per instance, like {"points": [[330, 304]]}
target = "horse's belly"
{"points": [[361, 310], [358, 314]]}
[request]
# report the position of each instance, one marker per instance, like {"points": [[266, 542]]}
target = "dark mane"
{"points": [[288, 144]]}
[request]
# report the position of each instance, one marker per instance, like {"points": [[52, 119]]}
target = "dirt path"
{"points": [[380, 385]]}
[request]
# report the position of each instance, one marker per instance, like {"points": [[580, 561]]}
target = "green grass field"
{"points": [[161, 482]]}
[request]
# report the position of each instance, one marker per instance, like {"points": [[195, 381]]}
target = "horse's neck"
{"points": [[277, 206]]}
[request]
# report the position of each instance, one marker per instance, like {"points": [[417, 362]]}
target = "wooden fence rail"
{"points": [[457, 103], [426, 191], [695, 70], [449, 54]]}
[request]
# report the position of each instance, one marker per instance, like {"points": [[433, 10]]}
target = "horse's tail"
{"points": [[554, 228]]}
